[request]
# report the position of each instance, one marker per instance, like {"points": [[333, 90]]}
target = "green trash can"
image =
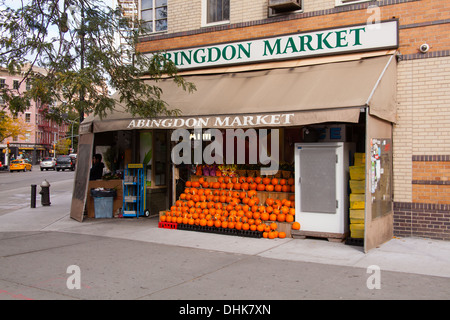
{"points": [[103, 202]]}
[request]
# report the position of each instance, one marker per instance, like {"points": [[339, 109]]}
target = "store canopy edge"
{"points": [[332, 92]]}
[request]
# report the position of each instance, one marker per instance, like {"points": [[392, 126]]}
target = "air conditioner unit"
{"points": [[285, 5]]}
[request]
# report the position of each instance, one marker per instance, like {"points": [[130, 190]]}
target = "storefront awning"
{"points": [[272, 98]]}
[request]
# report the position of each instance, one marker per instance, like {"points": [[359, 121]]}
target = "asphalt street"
{"points": [[45, 255]]}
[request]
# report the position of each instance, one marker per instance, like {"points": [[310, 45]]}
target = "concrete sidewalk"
{"points": [[406, 255]]}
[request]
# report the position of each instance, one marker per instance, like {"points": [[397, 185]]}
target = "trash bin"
{"points": [[103, 202]]}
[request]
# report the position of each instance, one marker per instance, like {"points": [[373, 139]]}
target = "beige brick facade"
{"points": [[423, 119], [187, 15], [422, 130]]}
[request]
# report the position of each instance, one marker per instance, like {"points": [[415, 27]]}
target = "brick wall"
{"points": [[422, 148], [420, 21], [421, 188], [422, 220]]}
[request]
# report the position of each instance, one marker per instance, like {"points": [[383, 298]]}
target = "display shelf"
{"points": [[134, 191]]}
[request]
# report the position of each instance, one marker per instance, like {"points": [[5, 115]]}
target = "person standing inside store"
{"points": [[97, 167]]}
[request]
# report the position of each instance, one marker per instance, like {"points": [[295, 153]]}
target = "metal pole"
{"points": [[33, 196]]}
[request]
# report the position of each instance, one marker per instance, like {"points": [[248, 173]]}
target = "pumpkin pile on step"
{"points": [[233, 203]]}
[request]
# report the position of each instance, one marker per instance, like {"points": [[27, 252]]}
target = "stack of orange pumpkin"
{"points": [[246, 183], [231, 203]]}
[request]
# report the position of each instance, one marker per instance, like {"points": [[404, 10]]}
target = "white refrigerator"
{"points": [[321, 186]]}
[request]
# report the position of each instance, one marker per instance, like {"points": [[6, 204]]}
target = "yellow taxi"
{"points": [[20, 164]]}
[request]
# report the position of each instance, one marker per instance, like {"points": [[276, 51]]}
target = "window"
{"points": [[154, 15], [16, 84], [2, 83], [28, 85], [216, 11], [28, 117]]}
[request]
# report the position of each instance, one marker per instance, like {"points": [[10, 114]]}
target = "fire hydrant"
{"points": [[45, 193]]}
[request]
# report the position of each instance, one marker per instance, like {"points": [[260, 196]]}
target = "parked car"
{"points": [[20, 164], [48, 163], [65, 162]]}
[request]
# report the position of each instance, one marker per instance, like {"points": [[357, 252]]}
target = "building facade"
{"points": [[40, 133], [421, 143]]}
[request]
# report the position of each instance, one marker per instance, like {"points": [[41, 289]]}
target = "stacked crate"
{"points": [[357, 196]]}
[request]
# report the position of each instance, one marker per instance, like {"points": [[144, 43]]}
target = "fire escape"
{"points": [[49, 131]]}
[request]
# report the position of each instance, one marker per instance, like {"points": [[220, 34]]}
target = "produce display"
{"points": [[238, 203]]}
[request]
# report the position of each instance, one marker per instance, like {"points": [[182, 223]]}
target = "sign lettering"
{"points": [[314, 43]]}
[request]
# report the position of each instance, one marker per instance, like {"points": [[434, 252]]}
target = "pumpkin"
{"points": [[274, 181], [273, 226], [296, 226], [188, 184], [278, 188], [261, 187], [258, 180], [251, 193], [289, 218], [290, 181], [216, 185], [269, 187], [264, 216], [266, 181], [273, 217], [195, 184]]}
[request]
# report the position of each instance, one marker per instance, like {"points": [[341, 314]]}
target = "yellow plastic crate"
{"points": [[360, 159], [358, 186], [357, 230], [356, 216], [357, 201], [357, 172]]}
